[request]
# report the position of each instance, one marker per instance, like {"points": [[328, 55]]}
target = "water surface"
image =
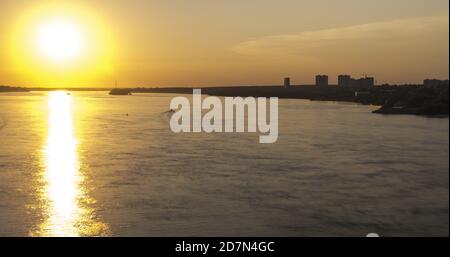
{"points": [[90, 164]]}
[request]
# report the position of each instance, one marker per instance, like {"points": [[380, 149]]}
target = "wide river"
{"points": [[90, 164]]}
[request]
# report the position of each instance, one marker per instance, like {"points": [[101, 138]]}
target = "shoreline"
{"points": [[392, 100], [405, 100]]}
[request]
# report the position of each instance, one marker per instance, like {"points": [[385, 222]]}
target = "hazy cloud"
{"points": [[381, 35]]}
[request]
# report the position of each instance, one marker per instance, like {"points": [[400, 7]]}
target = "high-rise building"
{"points": [[364, 82], [344, 80], [348, 81], [321, 80], [287, 82]]}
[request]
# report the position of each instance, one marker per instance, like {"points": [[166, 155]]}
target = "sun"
{"points": [[61, 44], [60, 40]]}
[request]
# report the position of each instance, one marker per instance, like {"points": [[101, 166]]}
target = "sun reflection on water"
{"points": [[66, 211]]}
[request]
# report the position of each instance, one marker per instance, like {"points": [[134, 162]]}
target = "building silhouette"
{"points": [[344, 80], [287, 82], [435, 83], [348, 81], [364, 82], [321, 80]]}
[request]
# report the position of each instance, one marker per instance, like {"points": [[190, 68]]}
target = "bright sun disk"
{"points": [[60, 40]]}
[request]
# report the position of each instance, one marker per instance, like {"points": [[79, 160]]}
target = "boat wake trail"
{"points": [[165, 116]]}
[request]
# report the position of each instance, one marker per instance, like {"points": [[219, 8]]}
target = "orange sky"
{"points": [[227, 42]]}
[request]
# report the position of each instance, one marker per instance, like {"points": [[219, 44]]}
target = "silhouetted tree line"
{"points": [[12, 89]]}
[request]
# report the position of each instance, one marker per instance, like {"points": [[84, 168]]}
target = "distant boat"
{"points": [[120, 91]]}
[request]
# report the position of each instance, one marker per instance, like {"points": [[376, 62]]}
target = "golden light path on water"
{"points": [[66, 212]]}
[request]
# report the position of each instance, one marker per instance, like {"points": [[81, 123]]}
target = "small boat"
{"points": [[120, 91]]}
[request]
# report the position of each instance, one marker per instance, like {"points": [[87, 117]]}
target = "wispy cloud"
{"points": [[312, 43]]}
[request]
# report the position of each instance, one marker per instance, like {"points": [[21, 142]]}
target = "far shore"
{"points": [[405, 99]]}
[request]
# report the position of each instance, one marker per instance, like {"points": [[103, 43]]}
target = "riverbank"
{"points": [[409, 99], [417, 100]]}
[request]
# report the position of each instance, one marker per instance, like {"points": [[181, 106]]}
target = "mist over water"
{"points": [[336, 170]]}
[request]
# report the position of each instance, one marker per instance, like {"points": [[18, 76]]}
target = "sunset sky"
{"points": [[220, 42]]}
